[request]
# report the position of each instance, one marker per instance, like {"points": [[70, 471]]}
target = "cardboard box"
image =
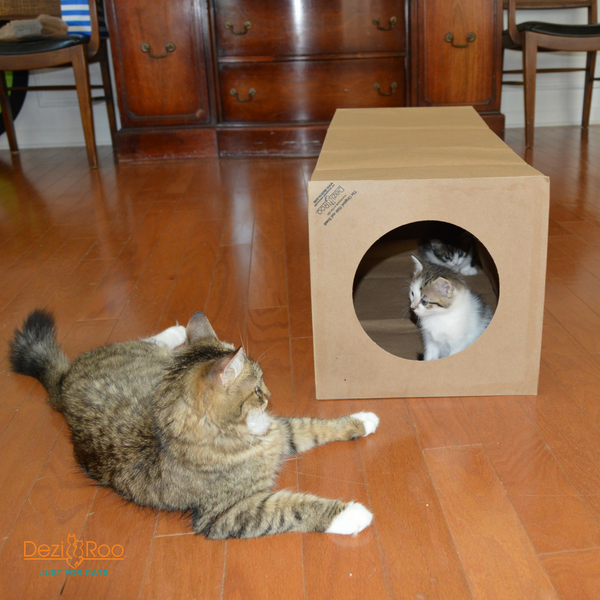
{"points": [[382, 175]]}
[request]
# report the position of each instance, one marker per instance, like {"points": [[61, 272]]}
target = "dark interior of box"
{"points": [[381, 289]]}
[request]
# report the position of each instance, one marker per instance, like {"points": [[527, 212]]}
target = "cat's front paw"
{"points": [[354, 518], [369, 420]]}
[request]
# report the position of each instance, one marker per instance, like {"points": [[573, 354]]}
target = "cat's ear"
{"points": [[437, 244], [418, 264], [229, 368], [198, 327], [443, 286]]}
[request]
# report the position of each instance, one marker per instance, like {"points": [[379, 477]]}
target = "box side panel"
{"points": [[508, 215]]}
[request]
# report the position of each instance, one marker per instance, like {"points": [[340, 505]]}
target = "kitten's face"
{"points": [[430, 293], [432, 298], [449, 254]]}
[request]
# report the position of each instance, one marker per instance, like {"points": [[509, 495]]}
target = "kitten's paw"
{"points": [[369, 420], [171, 337], [354, 518], [469, 270]]}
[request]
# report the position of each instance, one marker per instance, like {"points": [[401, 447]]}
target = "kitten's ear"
{"points": [[418, 264], [437, 244], [228, 369], [443, 286], [198, 327]]}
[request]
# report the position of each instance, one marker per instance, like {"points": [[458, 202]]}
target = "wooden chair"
{"points": [[533, 35], [75, 50]]}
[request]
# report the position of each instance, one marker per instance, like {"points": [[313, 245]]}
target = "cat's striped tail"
{"points": [[34, 351]]}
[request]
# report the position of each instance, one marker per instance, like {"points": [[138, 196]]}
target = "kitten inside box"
{"points": [[382, 283]]}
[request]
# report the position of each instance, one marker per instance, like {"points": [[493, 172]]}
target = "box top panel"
{"points": [[414, 143]]}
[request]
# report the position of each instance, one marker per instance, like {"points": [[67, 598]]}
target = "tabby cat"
{"points": [[179, 421], [450, 316]]}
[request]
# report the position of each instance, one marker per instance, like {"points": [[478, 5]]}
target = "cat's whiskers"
{"points": [[264, 354], [242, 342]]}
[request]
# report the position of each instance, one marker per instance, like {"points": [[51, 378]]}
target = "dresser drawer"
{"points": [[306, 27], [456, 49], [308, 90], [159, 63]]}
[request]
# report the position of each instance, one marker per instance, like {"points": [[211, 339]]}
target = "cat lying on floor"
{"points": [[179, 422]]}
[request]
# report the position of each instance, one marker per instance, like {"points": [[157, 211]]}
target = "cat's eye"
{"points": [[258, 392], [424, 302], [447, 257], [461, 254]]}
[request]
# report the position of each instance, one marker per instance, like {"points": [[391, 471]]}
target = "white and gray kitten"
{"points": [[451, 247], [450, 316]]}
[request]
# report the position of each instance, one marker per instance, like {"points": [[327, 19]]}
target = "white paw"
{"points": [[370, 421], [354, 518], [469, 271], [171, 337]]}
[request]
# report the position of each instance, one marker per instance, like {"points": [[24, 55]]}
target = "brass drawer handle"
{"points": [[229, 25], [393, 87], [377, 22], [449, 37], [251, 92], [169, 47]]}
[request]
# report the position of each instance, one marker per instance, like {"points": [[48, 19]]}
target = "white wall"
{"points": [[52, 118]]}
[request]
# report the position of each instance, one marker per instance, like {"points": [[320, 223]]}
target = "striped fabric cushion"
{"points": [[76, 14]]}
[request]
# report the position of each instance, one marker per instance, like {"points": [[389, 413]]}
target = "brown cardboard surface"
{"points": [[391, 141], [381, 169]]}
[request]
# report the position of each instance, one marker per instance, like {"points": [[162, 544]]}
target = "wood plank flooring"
{"points": [[474, 498]]}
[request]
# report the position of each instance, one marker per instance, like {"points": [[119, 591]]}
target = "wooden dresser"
{"points": [[264, 77]]}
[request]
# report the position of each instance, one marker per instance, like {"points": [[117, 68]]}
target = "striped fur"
{"points": [[180, 422]]}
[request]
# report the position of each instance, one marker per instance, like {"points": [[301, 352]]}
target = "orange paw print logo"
{"points": [[74, 551]]}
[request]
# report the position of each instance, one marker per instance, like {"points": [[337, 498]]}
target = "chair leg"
{"points": [[82, 83], [529, 75], [108, 95], [590, 68], [7, 115]]}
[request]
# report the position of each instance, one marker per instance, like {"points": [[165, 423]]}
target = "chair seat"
{"points": [[574, 31], [577, 31], [42, 45]]}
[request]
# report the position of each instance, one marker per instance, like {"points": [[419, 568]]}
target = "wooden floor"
{"points": [[479, 498]]}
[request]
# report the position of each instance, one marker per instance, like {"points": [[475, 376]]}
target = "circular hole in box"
{"points": [[382, 284]]}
